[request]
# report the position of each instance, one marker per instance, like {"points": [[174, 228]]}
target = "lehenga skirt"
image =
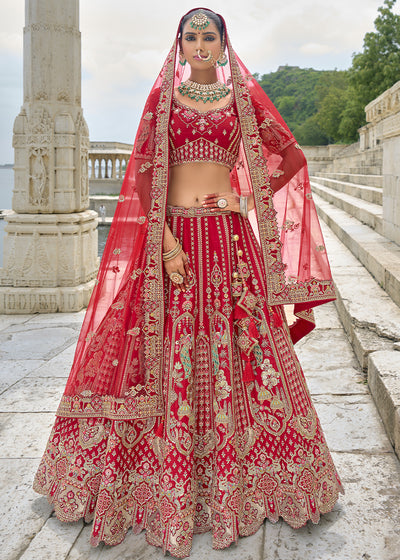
{"points": [[240, 440]]}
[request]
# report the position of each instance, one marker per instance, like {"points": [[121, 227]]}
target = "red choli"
{"points": [[212, 135]]}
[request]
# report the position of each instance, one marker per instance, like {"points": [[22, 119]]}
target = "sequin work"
{"points": [[234, 446], [212, 135]]}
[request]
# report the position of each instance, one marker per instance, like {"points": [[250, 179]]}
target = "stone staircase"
{"points": [[366, 269]]}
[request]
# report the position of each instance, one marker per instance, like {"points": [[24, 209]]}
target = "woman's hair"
{"points": [[211, 15]]}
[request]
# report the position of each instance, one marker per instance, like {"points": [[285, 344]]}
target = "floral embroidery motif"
{"points": [[246, 447]]}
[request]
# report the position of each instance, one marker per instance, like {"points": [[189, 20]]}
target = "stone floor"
{"points": [[35, 355]]}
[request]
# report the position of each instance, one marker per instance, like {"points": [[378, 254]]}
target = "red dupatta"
{"points": [[127, 307]]}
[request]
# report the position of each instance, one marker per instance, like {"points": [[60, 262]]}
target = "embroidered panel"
{"points": [[230, 450]]}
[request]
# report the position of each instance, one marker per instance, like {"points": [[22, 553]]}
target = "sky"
{"points": [[124, 43]]}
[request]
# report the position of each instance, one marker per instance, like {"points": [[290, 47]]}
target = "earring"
{"points": [[222, 60], [182, 59]]}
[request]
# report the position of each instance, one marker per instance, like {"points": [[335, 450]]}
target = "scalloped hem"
{"points": [[184, 552]]}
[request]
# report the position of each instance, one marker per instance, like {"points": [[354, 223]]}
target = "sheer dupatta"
{"points": [[127, 308]]}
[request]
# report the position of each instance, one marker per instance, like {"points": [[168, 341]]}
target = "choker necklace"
{"points": [[204, 92]]}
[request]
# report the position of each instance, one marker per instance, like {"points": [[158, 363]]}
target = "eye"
{"points": [[210, 38], [190, 38]]}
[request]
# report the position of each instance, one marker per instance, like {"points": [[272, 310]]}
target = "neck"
{"points": [[208, 76]]}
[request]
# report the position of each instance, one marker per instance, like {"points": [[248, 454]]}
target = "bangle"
{"points": [[169, 255], [243, 206]]}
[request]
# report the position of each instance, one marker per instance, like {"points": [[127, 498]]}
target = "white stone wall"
{"points": [[384, 115]]}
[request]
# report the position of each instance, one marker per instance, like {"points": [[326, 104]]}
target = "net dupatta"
{"points": [[128, 301]]}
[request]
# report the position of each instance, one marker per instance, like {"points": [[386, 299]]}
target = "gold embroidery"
{"points": [[145, 166]]}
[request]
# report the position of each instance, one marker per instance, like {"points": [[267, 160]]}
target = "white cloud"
{"points": [[317, 49]]}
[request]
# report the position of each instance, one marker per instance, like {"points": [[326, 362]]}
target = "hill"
{"points": [[298, 93]]}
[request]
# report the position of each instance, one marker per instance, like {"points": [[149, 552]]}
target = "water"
{"points": [[6, 187]]}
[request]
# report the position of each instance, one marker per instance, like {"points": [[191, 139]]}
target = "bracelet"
{"points": [[169, 255], [243, 206]]}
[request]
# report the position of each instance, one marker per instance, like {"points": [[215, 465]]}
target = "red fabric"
{"points": [[179, 425], [271, 166], [213, 135], [240, 439]]}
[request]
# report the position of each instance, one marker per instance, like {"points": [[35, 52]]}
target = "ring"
{"points": [[176, 278], [222, 203]]}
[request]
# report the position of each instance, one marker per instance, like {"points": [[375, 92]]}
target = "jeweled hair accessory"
{"points": [[199, 21]]}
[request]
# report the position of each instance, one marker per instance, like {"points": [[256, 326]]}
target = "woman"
{"points": [[186, 409]]}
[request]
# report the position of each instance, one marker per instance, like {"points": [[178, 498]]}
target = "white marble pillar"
{"points": [[50, 250]]}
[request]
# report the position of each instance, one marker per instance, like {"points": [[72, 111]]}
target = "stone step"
{"points": [[370, 180], [366, 212], [380, 256], [372, 322], [365, 192]]}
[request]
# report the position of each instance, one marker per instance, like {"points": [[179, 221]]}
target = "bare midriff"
{"points": [[190, 182]]}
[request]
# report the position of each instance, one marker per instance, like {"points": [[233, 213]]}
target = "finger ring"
{"points": [[176, 278], [222, 203]]}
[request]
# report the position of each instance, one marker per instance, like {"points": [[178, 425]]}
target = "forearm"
{"points": [[168, 239]]}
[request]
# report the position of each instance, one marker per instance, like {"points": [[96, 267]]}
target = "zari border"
{"points": [[154, 282], [105, 406], [280, 292]]}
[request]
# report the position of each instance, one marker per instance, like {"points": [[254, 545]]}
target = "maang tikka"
{"points": [[199, 21]]}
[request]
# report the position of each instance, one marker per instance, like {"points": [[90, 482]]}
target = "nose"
{"points": [[199, 43]]}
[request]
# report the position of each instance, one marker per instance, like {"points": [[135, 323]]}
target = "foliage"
{"points": [[377, 68], [323, 106]]}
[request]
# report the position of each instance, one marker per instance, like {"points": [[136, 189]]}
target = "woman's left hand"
{"points": [[211, 201]]}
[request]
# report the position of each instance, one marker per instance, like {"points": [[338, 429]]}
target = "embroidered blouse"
{"points": [[212, 135]]}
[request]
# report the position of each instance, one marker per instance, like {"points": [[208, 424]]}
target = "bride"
{"points": [[186, 409]]}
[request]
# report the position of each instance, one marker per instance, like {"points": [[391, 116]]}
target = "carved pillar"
{"points": [[50, 251]]}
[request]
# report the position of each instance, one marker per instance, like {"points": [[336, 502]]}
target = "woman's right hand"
{"points": [[180, 264]]}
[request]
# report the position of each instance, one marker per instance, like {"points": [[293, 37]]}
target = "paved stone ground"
{"points": [[35, 356]]}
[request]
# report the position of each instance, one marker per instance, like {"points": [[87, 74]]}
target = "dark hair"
{"points": [[211, 15]]}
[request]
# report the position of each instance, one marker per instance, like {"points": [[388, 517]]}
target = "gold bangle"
{"points": [[169, 255], [173, 249], [165, 259]]}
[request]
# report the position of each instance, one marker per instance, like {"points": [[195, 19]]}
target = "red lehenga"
{"points": [[188, 411]]}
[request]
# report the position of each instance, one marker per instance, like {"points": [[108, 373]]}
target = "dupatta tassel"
{"points": [[248, 375], [277, 320], [160, 430]]}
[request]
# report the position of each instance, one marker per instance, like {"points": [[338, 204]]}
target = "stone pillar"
{"points": [[50, 251]]}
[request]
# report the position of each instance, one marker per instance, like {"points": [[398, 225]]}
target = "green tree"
{"points": [[328, 106], [377, 68], [309, 133], [331, 102]]}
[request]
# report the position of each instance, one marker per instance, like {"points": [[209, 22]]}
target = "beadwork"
{"points": [[204, 92]]}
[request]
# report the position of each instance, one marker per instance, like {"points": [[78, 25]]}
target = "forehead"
{"points": [[211, 28]]}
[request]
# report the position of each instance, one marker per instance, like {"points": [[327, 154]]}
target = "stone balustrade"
{"points": [[108, 160]]}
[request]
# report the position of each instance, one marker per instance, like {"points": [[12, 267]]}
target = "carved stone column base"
{"points": [[50, 262], [15, 301], [50, 250]]}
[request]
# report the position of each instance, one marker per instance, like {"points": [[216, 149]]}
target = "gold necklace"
{"points": [[204, 92]]}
